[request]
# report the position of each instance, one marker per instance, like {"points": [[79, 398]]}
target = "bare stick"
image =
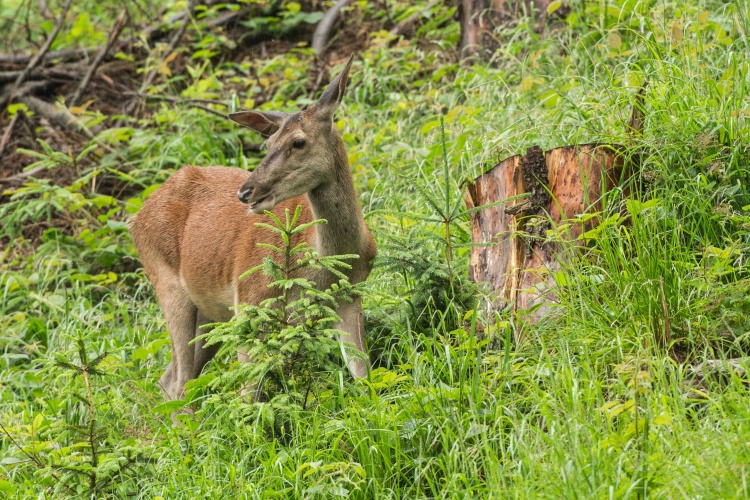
{"points": [[8, 131], [62, 117], [172, 45], [404, 25], [199, 100], [323, 31], [113, 34], [38, 57], [66, 54], [228, 17], [13, 179], [10, 76], [44, 9], [150, 33], [193, 103]]}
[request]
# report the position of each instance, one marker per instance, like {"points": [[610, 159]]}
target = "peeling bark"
{"points": [[562, 183]]}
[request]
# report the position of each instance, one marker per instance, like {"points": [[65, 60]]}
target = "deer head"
{"points": [[304, 149]]}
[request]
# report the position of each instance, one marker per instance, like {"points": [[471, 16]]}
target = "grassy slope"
{"points": [[581, 407]]}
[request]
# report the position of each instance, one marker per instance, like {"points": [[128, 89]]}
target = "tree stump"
{"points": [[513, 256]]}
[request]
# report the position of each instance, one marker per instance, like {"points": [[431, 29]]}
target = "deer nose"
{"points": [[245, 193]]}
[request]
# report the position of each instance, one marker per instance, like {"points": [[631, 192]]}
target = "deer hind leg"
{"points": [[181, 315], [352, 322], [202, 354]]}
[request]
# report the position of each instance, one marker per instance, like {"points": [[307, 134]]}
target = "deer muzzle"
{"points": [[259, 199]]}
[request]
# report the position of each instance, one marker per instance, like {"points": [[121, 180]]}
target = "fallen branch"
{"points": [[320, 68], [323, 31], [65, 55], [8, 131], [54, 73], [113, 35], [9, 96], [170, 49], [20, 177], [401, 27], [44, 9], [28, 88], [11, 76], [228, 17], [193, 103], [150, 34], [59, 116]]}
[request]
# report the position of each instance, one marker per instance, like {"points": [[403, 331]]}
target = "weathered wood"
{"points": [[323, 30], [520, 264], [56, 115]]}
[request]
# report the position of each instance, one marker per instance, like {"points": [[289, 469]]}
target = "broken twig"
{"points": [[170, 49], [193, 103], [8, 131], [9, 96], [401, 27], [113, 35]]}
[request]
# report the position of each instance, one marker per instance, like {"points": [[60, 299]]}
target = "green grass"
{"points": [[592, 403]]}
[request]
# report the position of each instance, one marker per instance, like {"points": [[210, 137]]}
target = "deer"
{"points": [[196, 233]]}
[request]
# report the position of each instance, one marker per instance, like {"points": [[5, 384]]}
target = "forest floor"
{"points": [[635, 384]]}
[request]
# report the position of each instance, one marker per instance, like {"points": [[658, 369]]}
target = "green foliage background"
{"points": [[589, 404]]}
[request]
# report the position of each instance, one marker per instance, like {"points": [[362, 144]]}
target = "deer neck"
{"points": [[336, 202]]}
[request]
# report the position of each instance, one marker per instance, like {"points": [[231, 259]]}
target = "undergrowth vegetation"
{"points": [[599, 400]]}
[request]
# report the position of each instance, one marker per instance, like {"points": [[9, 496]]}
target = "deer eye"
{"points": [[299, 143]]}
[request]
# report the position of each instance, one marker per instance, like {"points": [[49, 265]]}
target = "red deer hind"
{"points": [[195, 237]]}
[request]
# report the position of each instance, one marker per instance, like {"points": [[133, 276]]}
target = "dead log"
{"points": [[513, 255], [323, 31]]}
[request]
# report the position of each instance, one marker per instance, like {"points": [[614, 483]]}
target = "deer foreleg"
{"points": [[352, 322], [180, 314]]}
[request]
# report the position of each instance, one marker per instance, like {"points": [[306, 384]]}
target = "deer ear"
{"points": [[332, 95], [265, 123]]}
